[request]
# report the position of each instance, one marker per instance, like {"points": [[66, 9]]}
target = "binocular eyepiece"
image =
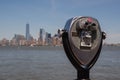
{"points": [[82, 41], [86, 30]]}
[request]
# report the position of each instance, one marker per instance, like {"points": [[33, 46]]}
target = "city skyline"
{"points": [[27, 34], [53, 14], [44, 39]]}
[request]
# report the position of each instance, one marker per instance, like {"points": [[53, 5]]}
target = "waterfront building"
{"points": [[42, 36], [27, 32], [48, 39], [18, 40], [4, 42], [13, 42], [56, 40]]}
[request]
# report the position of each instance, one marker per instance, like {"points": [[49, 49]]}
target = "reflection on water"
{"points": [[51, 63]]}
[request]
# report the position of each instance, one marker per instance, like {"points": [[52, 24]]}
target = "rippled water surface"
{"points": [[51, 63]]}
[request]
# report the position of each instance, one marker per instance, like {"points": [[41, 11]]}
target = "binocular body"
{"points": [[82, 41]]}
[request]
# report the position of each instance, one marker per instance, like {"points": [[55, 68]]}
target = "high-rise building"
{"points": [[27, 32], [48, 39], [42, 36]]}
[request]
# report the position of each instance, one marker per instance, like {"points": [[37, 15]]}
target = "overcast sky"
{"points": [[52, 14]]}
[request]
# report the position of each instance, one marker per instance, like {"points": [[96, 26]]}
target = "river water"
{"points": [[51, 63]]}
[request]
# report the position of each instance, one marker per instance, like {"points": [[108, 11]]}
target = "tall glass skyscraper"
{"points": [[48, 38], [42, 35], [27, 32]]}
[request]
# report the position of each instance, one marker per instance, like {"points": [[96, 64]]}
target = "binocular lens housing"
{"points": [[84, 38], [82, 42]]}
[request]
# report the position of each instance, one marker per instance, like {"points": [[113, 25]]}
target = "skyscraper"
{"points": [[48, 39], [27, 32], [42, 36]]}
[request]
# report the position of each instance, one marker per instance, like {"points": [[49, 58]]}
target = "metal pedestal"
{"points": [[83, 74]]}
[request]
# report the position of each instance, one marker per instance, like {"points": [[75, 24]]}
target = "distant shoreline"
{"points": [[105, 47], [32, 47]]}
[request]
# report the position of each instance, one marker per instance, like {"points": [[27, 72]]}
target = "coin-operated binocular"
{"points": [[82, 41]]}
